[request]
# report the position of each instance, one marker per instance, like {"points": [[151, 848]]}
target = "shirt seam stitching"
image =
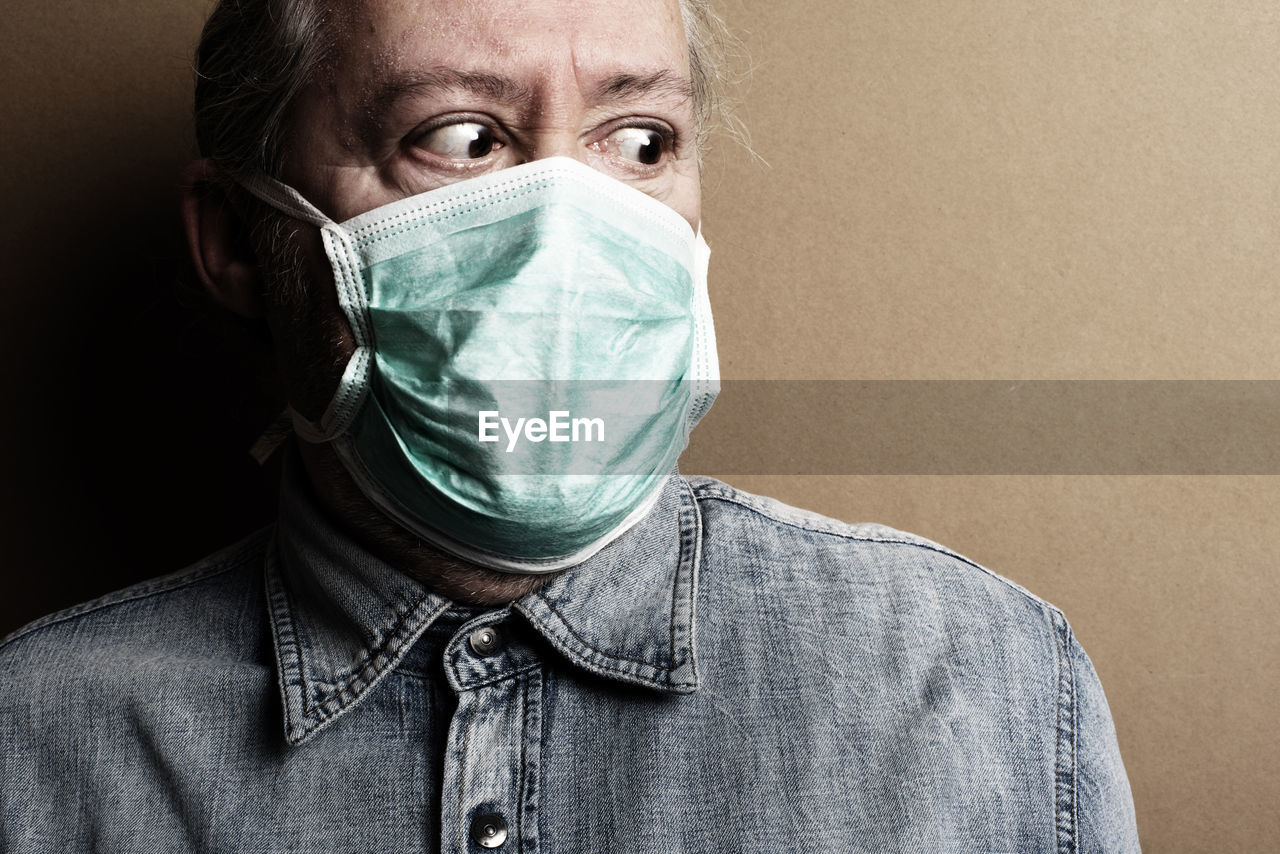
{"points": [[524, 737], [705, 493], [690, 534], [501, 677], [462, 778], [685, 564], [290, 675], [1066, 816], [348, 691], [350, 678], [323, 700], [238, 560], [592, 666], [600, 652]]}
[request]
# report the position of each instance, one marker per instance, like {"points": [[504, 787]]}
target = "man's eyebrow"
{"points": [[623, 86], [493, 87], [620, 86]]}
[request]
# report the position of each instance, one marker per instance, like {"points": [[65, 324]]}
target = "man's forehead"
{"points": [[381, 38]]}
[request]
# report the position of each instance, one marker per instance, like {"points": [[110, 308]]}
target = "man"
{"points": [[442, 211]]}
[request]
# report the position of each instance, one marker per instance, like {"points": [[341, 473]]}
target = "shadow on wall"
{"points": [[131, 401]]}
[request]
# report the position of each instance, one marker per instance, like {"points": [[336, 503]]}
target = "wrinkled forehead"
{"points": [[372, 38]]}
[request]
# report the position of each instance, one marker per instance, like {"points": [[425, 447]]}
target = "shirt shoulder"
{"points": [[203, 611], [836, 553], [968, 685], [107, 708], [870, 592]]}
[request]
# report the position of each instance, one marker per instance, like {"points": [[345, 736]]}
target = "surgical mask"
{"points": [[532, 349]]}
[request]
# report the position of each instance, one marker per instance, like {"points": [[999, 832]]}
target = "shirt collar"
{"points": [[342, 618]]}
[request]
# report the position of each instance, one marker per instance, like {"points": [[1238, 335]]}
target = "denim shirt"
{"points": [[732, 675]]}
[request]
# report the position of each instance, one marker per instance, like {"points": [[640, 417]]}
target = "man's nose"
{"points": [[554, 117], [560, 141]]}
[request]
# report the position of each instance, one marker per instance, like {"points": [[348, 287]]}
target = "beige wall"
{"points": [[987, 190]]}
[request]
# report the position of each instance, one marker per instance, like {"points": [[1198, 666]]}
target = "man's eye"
{"points": [[461, 141], [641, 145]]}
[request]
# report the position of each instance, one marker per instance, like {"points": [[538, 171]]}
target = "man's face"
{"points": [[423, 93], [417, 94]]}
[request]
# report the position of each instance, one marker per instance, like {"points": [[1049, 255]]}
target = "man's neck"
{"points": [[451, 577]]}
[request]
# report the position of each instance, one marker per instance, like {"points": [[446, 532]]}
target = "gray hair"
{"points": [[255, 56]]}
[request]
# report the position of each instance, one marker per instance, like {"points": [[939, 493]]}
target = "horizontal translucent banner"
{"points": [[1117, 427]]}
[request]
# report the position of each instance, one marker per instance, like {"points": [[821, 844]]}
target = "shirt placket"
{"points": [[489, 793]]}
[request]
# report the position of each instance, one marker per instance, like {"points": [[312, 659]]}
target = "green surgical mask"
{"points": [[533, 348]]}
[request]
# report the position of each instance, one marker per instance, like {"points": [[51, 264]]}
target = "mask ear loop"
{"points": [[277, 432], [345, 264]]}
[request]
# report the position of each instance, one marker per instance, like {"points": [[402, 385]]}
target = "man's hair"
{"points": [[255, 56]]}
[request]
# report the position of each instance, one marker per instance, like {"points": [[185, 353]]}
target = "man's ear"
{"points": [[218, 238]]}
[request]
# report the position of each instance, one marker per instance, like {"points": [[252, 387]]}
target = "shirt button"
{"points": [[489, 831], [485, 641]]}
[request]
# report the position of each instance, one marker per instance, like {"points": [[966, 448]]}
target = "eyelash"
{"points": [[671, 138], [421, 131]]}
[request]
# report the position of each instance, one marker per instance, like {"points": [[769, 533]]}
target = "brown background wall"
{"points": [[988, 190]]}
